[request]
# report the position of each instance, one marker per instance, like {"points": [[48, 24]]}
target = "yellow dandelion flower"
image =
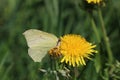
{"points": [[94, 1], [75, 49]]}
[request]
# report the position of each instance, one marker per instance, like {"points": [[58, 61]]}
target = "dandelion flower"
{"points": [[75, 49], [94, 1]]}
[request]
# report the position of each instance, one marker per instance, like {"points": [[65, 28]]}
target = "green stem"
{"points": [[75, 73], [95, 29], [105, 37], [98, 38]]}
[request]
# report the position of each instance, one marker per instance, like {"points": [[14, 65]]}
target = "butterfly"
{"points": [[39, 43]]}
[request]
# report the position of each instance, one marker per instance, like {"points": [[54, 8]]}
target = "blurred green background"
{"points": [[58, 17]]}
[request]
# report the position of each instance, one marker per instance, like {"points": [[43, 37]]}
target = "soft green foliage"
{"points": [[58, 17]]}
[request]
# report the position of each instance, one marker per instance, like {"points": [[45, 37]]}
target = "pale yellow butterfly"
{"points": [[39, 43]]}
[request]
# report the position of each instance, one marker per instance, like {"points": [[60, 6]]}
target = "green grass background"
{"points": [[58, 17]]}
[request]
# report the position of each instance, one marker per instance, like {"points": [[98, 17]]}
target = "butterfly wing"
{"points": [[39, 43], [37, 54], [39, 38]]}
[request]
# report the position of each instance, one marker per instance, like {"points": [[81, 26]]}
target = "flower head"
{"points": [[94, 1], [75, 49]]}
